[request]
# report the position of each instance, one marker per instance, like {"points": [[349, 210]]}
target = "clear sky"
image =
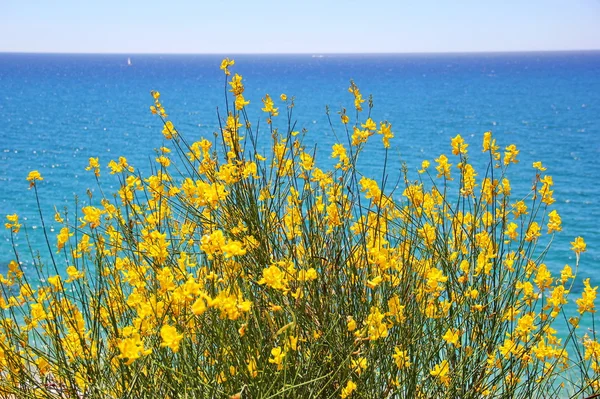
{"points": [[297, 26]]}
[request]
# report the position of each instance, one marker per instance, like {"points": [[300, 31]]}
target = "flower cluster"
{"points": [[227, 273]]}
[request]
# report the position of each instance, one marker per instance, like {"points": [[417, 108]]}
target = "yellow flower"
{"points": [[114, 167], [13, 223], [339, 151], [34, 176], [525, 325], [545, 191], [566, 273], [73, 273], [543, 278], [556, 299], [443, 167], [275, 278], [164, 161], [55, 282], [505, 187], [592, 350], [578, 246], [487, 141], [401, 358], [155, 245], [396, 309], [489, 145], [538, 166], [374, 282], [307, 275], [371, 188], [237, 88], [269, 106], [225, 64], [132, 348], [231, 306], [424, 165], [306, 161], [212, 244], [588, 296], [91, 215], [233, 248], [62, 238], [385, 129], [369, 124], [199, 306], [435, 278], [554, 222], [293, 342], [252, 368], [469, 182], [351, 323], [240, 102], [428, 233], [533, 232], [452, 336], [277, 357], [57, 217], [512, 231], [358, 365], [169, 130], [441, 371], [122, 164], [527, 289], [94, 164], [358, 100], [360, 136], [170, 337], [43, 366], [348, 389], [510, 154], [283, 97], [488, 190], [519, 208], [458, 145], [478, 307], [376, 327]]}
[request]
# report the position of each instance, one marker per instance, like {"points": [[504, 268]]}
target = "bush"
{"points": [[226, 273]]}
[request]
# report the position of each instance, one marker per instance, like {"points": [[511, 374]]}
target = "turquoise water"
{"points": [[56, 111]]}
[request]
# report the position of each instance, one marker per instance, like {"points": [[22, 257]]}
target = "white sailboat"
{"points": [[128, 61]]}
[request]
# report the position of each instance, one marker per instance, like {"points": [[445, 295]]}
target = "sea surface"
{"points": [[57, 110]]}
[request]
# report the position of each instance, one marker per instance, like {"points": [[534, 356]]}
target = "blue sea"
{"points": [[57, 110]]}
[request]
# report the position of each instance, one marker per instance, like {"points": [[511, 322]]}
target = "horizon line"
{"points": [[308, 53]]}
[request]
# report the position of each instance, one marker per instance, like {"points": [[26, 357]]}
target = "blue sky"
{"points": [[302, 26]]}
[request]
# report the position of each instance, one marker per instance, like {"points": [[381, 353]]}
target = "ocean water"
{"points": [[56, 111]]}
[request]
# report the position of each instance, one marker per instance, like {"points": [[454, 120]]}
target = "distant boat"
{"points": [[128, 61]]}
